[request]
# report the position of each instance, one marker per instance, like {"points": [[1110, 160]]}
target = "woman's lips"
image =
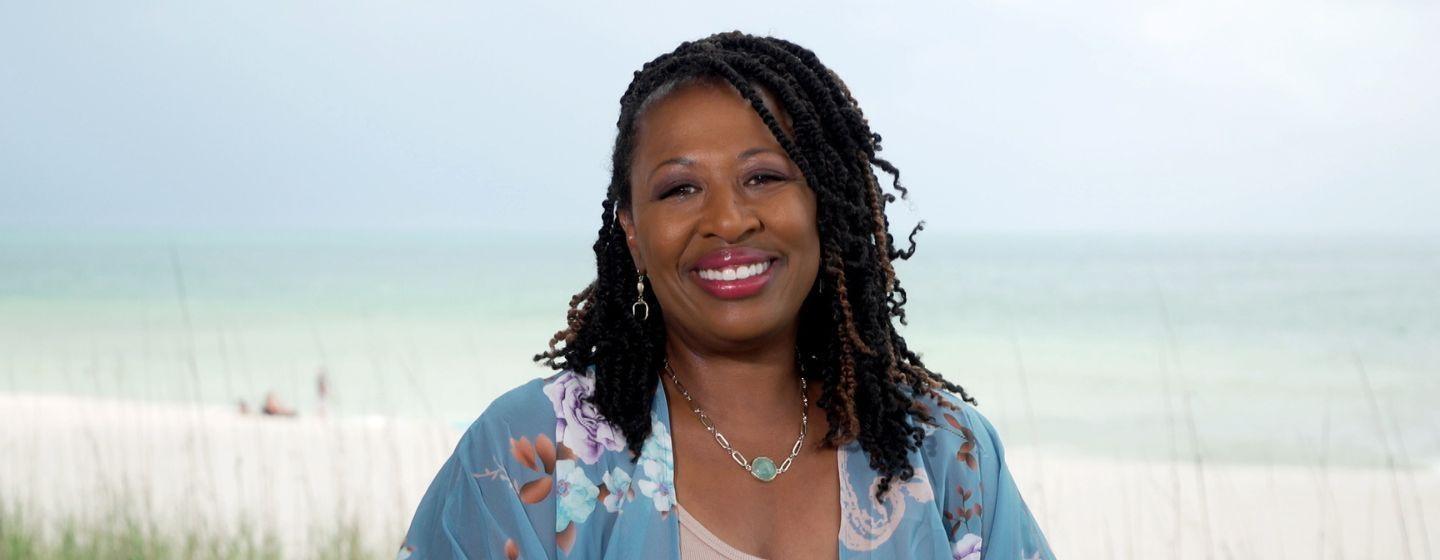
{"points": [[714, 281]]}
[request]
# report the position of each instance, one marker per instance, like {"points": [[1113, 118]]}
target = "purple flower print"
{"points": [[577, 424]]}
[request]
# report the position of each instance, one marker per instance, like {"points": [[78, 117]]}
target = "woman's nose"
{"points": [[728, 214]]}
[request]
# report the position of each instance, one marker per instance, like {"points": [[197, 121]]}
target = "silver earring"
{"points": [[640, 299]]}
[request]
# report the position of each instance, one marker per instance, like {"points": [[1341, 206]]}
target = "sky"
{"points": [[1004, 116]]}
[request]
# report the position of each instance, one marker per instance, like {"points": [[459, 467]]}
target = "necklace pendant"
{"points": [[763, 468]]}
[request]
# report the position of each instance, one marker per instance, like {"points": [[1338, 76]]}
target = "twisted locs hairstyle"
{"points": [[871, 380]]}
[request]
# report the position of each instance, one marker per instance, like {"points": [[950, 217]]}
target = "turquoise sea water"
{"points": [[1252, 349]]}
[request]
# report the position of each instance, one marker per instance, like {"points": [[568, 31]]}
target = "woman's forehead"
{"points": [[689, 93], [699, 124]]}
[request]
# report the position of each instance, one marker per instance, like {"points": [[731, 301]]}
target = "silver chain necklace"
{"points": [[762, 468]]}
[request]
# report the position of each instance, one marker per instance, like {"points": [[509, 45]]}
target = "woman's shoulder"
{"points": [[524, 405], [549, 411], [977, 495], [504, 470], [958, 431], [520, 413]]}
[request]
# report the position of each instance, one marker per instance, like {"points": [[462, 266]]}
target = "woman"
{"points": [[732, 384]]}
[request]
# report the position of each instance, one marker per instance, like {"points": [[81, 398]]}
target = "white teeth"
{"points": [[734, 272]]}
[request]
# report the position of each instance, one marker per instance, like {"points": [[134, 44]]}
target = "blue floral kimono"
{"points": [[541, 475]]}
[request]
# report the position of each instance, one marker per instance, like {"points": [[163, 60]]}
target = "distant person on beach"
{"points": [[274, 408], [322, 389], [732, 383]]}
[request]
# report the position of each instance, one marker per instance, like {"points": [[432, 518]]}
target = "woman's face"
{"points": [[720, 219]]}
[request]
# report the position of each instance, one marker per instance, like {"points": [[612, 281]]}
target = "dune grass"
{"points": [[128, 537]]}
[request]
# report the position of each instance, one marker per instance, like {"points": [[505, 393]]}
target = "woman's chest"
{"points": [[796, 515]]}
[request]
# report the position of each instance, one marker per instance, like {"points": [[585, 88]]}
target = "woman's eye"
{"points": [[678, 189], [765, 178]]}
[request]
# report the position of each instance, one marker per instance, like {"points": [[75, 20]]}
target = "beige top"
{"points": [[698, 543]]}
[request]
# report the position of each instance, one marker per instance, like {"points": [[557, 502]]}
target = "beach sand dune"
{"points": [[306, 479]]}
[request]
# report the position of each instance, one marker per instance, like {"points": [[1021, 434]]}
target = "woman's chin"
{"points": [[744, 328]]}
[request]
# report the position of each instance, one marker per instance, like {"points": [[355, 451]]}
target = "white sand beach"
{"points": [[1107, 508], [212, 469]]}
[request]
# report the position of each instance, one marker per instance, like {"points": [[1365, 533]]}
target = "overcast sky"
{"points": [[1004, 116]]}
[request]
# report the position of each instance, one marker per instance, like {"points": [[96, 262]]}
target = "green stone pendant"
{"points": [[763, 468]]}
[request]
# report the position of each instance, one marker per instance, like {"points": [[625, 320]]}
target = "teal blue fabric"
{"points": [[540, 475]]}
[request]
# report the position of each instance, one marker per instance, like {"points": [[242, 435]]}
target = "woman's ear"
{"points": [[627, 223]]}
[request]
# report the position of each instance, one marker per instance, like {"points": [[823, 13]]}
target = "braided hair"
{"points": [[872, 382]]}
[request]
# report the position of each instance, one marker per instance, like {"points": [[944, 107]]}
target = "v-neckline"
{"points": [[661, 407]]}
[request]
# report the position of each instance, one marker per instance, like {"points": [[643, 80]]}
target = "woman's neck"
{"points": [[759, 384]]}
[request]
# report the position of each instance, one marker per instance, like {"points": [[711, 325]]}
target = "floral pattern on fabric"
{"points": [[657, 460], [616, 490], [962, 514], [968, 547], [538, 457], [578, 425], [864, 527], [511, 491], [575, 493]]}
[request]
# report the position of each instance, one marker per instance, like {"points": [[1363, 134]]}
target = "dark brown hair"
{"points": [[872, 381]]}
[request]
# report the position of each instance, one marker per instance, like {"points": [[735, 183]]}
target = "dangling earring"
{"points": [[640, 299]]}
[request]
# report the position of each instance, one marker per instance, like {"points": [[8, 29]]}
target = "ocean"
{"points": [[1252, 349]]}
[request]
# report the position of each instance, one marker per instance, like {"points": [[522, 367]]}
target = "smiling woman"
{"points": [[732, 384], [720, 220]]}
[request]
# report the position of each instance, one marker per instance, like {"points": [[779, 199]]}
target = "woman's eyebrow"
{"points": [[756, 150], [682, 160]]}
